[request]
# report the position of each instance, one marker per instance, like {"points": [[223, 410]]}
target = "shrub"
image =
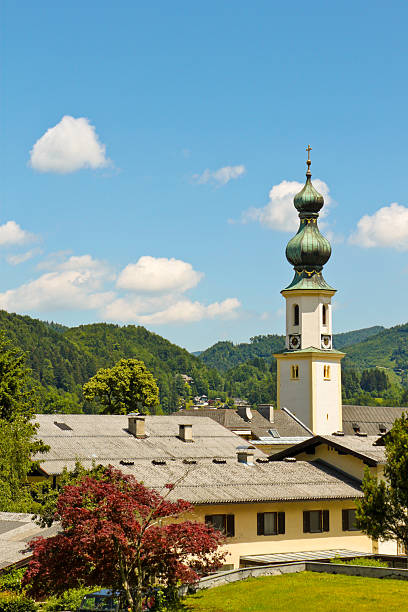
{"points": [[367, 561], [16, 603], [10, 580], [69, 600]]}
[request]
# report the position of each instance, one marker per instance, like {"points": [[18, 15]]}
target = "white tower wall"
{"points": [[311, 326], [314, 396]]}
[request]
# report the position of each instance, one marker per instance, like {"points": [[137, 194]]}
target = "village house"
{"points": [[301, 500], [264, 507]]}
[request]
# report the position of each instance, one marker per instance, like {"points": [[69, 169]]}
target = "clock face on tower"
{"points": [[294, 341], [326, 342]]}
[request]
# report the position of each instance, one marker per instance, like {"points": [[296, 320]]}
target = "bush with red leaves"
{"points": [[119, 534]]}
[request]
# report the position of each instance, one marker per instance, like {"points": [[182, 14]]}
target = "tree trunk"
{"points": [[133, 605]]}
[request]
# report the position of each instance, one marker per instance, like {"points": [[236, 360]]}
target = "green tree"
{"points": [[126, 387], [16, 388], [52, 400], [17, 445], [374, 380], [18, 400], [46, 494], [383, 511]]}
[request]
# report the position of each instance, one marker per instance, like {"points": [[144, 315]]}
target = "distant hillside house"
{"points": [[264, 507], [187, 379]]}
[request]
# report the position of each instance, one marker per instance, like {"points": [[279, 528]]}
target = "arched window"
{"points": [[296, 314], [324, 314]]}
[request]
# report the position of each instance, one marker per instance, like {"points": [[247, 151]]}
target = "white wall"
{"points": [[327, 404], [296, 395], [310, 318]]}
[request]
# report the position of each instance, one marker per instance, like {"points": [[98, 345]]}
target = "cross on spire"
{"points": [[308, 161]]}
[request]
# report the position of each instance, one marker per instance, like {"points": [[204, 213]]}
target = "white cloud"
{"points": [[180, 311], [12, 233], [20, 258], [387, 227], [77, 283], [154, 289], [280, 213], [157, 285], [222, 176], [158, 275], [70, 145]]}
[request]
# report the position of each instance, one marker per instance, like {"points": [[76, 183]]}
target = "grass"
{"points": [[305, 592]]}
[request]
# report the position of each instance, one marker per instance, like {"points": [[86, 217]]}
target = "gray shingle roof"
{"points": [[105, 439], [369, 418], [233, 482], [201, 481], [361, 447], [259, 425], [16, 530]]}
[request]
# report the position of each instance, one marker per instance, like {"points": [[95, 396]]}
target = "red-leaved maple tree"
{"points": [[119, 534]]}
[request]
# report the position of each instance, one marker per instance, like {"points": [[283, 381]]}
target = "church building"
{"points": [[309, 370]]}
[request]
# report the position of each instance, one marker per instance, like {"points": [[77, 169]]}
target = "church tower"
{"points": [[309, 371]]}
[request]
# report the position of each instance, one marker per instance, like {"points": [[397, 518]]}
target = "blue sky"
{"points": [[164, 196]]}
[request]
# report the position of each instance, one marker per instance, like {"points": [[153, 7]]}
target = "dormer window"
{"points": [[296, 315]]}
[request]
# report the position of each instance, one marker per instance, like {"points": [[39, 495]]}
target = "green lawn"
{"points": [[304, 592]]}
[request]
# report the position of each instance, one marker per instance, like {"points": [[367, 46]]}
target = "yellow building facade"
{"points": [[247, 542]]}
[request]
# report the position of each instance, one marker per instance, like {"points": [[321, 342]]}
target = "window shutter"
{"points": [[260, 523], [326, 526], [281, 522], [306, 522], [230, 525], [344, 518]]}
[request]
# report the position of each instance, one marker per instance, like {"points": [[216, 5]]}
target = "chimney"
{"points": [[244, 411], [137, 425], [245, 455], [186, 432], [266, 410]]}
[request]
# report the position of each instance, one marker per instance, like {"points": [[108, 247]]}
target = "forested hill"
{"points": [[63, 359], [226, 355], [358, 335], [388, 348]]}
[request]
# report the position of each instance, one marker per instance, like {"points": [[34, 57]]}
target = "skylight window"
{"points": [[63, 426]]}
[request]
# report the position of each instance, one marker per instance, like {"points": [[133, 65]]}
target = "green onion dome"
{"points": [[308, 200], [308, 251]]}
